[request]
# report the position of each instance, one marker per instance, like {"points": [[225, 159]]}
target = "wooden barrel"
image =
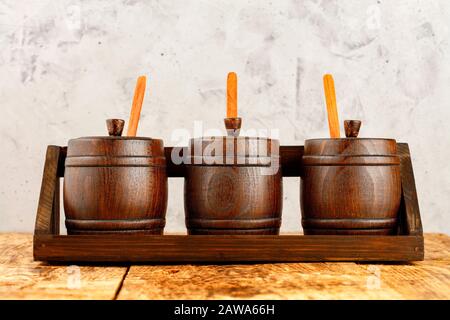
{"points": [[115, 184], [233, 185], [350, 186]]}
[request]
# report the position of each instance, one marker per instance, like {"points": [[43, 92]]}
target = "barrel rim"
{"points": [[351, 159], [79, 161], [115, 146], [115, 138], [350, 147], [351, 139]]}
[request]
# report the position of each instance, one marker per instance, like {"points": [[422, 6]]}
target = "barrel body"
{"points": [[115, 185], [243, 196], [350, 186]]}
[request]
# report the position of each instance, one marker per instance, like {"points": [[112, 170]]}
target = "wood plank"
{"points": [[56, 211], [429, 279], [291, 160], [62, 160], [22, 278], [416, 280], [437, 248], [410, 202], [249, 281], [215, 248], [174, 170], [49, 199]]}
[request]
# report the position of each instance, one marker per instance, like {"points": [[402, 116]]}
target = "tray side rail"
{"points": [[47, 217], [409, 211]]}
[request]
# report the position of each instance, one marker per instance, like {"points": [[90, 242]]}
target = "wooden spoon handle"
{"points": [[139, 93], [330, 96], [232, 95]]}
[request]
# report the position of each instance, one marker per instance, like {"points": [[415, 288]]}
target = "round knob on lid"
{"points": [[233, 126], [115, 127], [352, 128]]}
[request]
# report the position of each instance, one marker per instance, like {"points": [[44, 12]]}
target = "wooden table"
{"points": [[22, 278]]}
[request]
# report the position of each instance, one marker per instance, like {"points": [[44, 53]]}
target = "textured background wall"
{"points": [[66, 66]]}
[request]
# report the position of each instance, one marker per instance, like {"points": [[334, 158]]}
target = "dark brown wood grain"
{"points": [[233, 123], [411, 212], [227, 248], [350, 186], [115, 127], [351, 128], [231, 190], [291, 159], [47, 217], [232, 200], [175, 170], [115, 184], [61, 161], [407, 245]]}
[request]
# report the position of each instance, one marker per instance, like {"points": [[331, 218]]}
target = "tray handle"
{"points": [[410, 213], [47, 217]]}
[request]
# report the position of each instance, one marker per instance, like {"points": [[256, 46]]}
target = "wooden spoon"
{"points": [[330, 96], [139, 93], [232, 122], [232, 95]]}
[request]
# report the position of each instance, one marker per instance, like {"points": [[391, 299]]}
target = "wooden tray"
{"points": [[49, 245]]}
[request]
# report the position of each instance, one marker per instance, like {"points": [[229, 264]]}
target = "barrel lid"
{"points": [[115, 146], [351, 147], [350, 151], [233, 150]]}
